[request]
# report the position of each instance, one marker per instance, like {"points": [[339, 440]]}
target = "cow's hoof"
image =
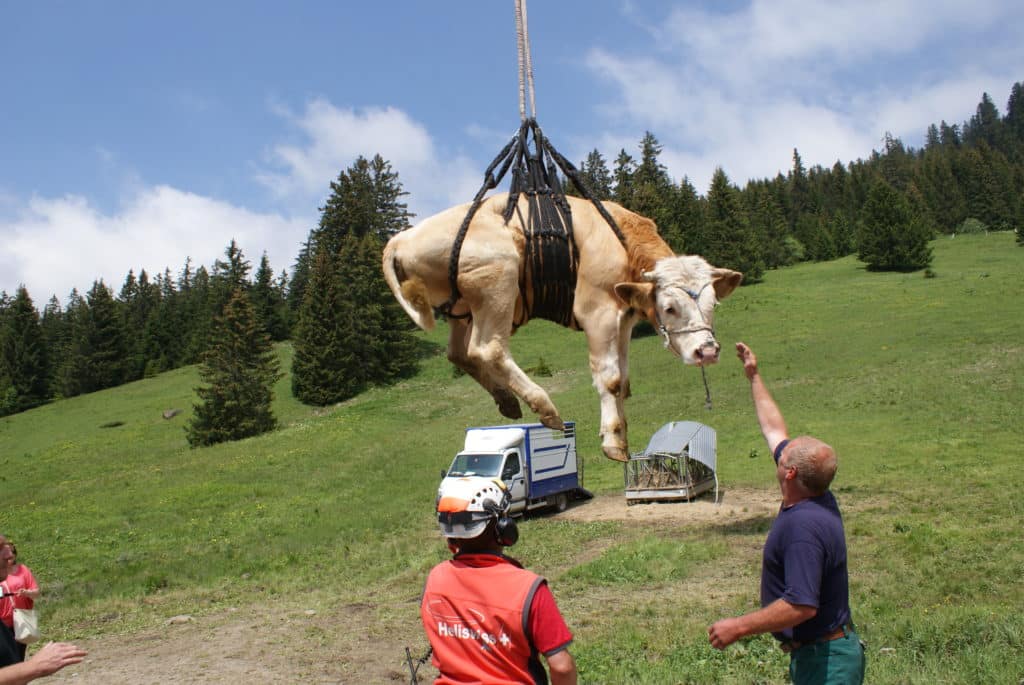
{"points": [[508, 405], [615, 453], [553, 421]]}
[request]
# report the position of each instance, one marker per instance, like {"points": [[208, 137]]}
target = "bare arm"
{"points": [[773, 426], [562, 667], [777, 616], [50, 659]]}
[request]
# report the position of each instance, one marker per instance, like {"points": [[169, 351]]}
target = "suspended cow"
{"points": [[615, 284]]}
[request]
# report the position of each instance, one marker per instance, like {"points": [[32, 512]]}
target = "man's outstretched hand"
{"points": [[748, 358]]}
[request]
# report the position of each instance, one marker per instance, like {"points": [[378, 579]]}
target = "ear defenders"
{"points": [[506, 532]]}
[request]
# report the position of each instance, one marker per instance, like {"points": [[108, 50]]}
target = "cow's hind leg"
{"points": [[488, 350], [458, 343]]}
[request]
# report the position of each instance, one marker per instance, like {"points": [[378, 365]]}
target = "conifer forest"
{"points": [[348, 333]]}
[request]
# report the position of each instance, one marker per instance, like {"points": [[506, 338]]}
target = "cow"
{"points": [[617, 284]]}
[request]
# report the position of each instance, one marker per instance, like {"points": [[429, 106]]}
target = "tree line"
{"points": [[349, 333], [967, 177]]}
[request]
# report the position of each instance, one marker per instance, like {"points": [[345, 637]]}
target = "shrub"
{"points": [[971, 225]]}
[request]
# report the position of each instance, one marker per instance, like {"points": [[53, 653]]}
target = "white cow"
{"points": [[616, 286]]}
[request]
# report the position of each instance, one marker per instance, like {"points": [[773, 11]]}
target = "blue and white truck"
{"points": [[537, 464]]}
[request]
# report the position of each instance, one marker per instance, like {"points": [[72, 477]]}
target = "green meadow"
{"points": [[917, 381]]}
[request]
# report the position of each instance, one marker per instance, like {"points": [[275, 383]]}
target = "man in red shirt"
{"points": [[487, 618]]}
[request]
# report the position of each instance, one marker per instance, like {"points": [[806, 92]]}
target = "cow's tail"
{"points": [[411, 292]]}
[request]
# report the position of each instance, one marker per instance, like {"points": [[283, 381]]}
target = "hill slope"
{"points": [[916, 381]]}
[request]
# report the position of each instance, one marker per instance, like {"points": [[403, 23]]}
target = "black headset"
{"points": [[506, 532]]}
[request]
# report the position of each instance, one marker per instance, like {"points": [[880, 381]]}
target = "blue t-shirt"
{"points": [[804, 562]]}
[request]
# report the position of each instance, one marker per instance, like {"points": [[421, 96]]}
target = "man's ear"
{"points": [[725, 281], [639, 296]]}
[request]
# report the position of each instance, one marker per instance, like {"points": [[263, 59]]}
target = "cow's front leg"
{"points": [[611, 384]]}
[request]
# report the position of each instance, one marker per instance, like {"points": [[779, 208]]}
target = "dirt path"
{"points": [[349, 643], [734, 504]]}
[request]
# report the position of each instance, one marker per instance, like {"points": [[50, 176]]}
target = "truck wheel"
{"points": [[561, 502]]}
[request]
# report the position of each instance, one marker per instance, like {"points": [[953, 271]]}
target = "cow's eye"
{"points": [[670, 310]]}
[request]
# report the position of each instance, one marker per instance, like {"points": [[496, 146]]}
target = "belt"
{"points": [[841, 631]]}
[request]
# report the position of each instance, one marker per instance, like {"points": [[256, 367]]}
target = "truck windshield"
{"points": [[476, 465]]}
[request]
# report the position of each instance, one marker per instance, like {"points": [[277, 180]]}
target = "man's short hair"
{"points": [[815, 463]]}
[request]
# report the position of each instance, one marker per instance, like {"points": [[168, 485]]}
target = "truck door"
{"points": [[514, 479]]}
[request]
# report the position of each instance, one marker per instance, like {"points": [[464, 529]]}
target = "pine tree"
{"points": [[366, 198], [798, 192], [101, 340], [228, 276], [389, 349], [349, 333], [596, 176], [70, 378], [300, 277], [689, 220], [987, 182], [625, 167], [730, 241], [896, 163], [23, 356], [239, 370], [891, 237], [138, 301], [53, 328], [985, 126], [941, 190], [326, 363], [768, 223], [197, 309], [654, 194], [267, 301]]}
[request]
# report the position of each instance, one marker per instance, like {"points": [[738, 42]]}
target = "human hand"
{"points": [[748, 358], [55, 656], [723, 633]]}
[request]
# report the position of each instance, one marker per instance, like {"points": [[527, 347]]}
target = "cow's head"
{"points": [[679, 296]]}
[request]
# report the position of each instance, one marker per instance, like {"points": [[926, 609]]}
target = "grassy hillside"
{"points": [[916, 381]]}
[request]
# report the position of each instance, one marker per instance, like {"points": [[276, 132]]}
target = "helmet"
{"points": [[466, 505]]}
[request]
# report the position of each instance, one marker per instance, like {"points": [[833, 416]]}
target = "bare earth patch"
{"points": [[733, 504]]}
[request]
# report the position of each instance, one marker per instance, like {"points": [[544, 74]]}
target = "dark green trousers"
{"points": [[837, 662]]}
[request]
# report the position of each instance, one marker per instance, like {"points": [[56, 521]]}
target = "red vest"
{"points": [[476, 619]]}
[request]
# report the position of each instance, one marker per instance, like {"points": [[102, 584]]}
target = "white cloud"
{"points": [[55, 244], [741, 88], [333, 137]]}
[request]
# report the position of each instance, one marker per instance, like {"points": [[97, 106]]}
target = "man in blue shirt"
{"points": [[805, 600]]}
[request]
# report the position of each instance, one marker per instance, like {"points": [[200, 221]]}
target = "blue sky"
{"points": [[136, 134]]}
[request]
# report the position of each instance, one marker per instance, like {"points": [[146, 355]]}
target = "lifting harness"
{"points": [[547, 282]]}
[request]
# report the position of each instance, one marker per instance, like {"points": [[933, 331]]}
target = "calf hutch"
{"points": [[679, 463]]}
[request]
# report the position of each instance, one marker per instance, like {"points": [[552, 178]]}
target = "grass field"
{"points": [[916, 381]]}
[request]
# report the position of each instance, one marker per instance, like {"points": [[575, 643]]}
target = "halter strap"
{"points": [[703, 326]]}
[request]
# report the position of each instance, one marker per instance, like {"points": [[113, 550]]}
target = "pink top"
{"points": [[20, 578]]}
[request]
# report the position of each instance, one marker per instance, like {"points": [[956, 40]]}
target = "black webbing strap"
{"points": [[552, 251]]}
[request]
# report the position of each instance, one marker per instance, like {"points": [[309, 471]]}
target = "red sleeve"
{"points": [[548, 630]]}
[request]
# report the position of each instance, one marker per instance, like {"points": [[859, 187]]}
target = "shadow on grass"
{"points": [[757, 524]]}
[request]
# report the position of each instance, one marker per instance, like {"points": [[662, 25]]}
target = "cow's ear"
{"points": [[637, 295], [725, 281]]}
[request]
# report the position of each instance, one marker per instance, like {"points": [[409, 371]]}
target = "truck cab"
{"points": [[506, 466], [537, 464]]}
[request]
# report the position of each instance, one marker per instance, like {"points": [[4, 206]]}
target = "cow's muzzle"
{"points": [[707, 353]]}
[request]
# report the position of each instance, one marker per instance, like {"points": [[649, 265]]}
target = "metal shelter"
{"points": [[679, 463]]}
